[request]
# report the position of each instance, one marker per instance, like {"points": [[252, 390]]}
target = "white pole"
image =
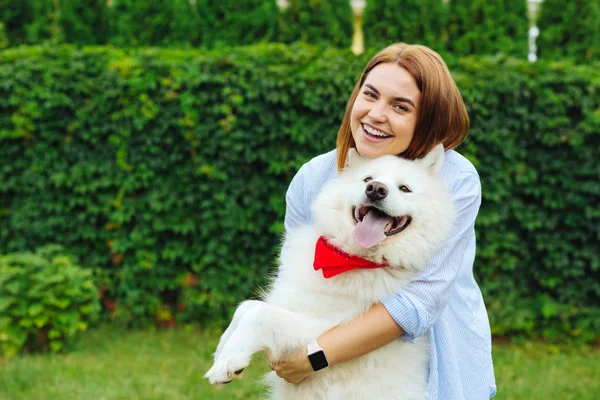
{"points": [[533, 8]]}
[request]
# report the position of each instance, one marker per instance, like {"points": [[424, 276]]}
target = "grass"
{"points": [[109, 364]]}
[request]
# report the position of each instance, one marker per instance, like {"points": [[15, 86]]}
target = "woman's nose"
{"points": [[377, 112]]}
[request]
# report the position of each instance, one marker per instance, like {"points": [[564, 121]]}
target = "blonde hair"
{"points": [[442, 115]]}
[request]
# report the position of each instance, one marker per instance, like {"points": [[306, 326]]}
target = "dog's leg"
{"points": [[241, 310], [263, 327]]}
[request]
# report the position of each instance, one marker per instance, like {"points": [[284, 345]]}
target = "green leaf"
{"points": [[35, 309], [56, 346], [54, 333], [6, 302]]}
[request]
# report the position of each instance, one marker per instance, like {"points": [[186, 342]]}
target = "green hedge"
{"points": [[151, 23], [168, 169], [457, 27], [326, 22], [569, 29], [409, 21], [234, 22], [487, 27]]}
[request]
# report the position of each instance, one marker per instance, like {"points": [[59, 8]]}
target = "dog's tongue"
{"points": [[369, 231]]}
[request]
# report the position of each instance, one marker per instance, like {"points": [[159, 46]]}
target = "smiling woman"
{"points": [[406, 103]]}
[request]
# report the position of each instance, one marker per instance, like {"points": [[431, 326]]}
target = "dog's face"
{"points": [[387, 209]]}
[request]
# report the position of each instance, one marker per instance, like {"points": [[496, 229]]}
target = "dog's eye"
{"points": [[405, 189], [367, 179]]}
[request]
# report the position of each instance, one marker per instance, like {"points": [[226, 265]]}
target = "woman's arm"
{"points": [[368, 332], [412, 311], [362, 335]]}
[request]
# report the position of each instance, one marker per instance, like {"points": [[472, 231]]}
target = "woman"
{"points": [[405, 103]]}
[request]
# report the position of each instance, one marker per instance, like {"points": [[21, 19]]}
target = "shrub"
{"points": [[44, 25], [16, 14], [46, 298], [65, 21], [412, 21], [326, 22], [151, 23], [84, 22], [569, 29], [168, 170], [235, 23], [487, 27], [3, 37]]}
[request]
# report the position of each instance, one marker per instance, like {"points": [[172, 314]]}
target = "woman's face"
{"points": [[384, 114]]}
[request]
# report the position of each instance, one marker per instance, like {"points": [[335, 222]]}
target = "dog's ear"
{"points": [[434, 159], [353, 159]]}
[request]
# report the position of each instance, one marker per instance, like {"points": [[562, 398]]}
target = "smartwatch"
{"points": [[316, 356]]}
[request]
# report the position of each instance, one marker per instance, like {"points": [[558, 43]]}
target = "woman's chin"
{"points": [[369, 151]]}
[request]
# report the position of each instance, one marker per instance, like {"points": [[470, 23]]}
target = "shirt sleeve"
{"points": [[295, 214], [417, 306]]}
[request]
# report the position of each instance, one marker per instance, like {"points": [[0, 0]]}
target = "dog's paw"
{"points": [[225, 371]]}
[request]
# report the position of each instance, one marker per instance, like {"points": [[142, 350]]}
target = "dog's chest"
{"points": [[300, 288], [339, 299]]}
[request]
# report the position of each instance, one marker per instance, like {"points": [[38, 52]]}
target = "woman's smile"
{"points": [[374, 134]]}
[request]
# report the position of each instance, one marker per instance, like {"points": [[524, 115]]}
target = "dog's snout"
{"points": [[376, 191]]}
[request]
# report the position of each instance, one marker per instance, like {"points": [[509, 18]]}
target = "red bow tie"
{"points": [[333, 260]]}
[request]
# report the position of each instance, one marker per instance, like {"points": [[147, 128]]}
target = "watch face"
{"points": [[318, 360]]}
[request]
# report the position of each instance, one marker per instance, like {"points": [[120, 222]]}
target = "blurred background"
{"points": [[146, 147]]}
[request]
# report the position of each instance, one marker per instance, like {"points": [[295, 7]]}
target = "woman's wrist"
{"points": [[316, 356]]}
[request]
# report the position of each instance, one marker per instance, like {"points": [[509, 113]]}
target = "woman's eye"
{"points": [[367, 179], [401, 108], [405, 189], [370, 94]]}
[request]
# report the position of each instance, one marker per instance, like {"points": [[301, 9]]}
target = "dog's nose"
{"points": [[376, 191]]}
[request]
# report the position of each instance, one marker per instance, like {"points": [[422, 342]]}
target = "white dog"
{"points": [[388, 211]]}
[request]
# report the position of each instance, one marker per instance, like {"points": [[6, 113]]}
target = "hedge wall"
{"points": [[409, 21], [326, 22], [487, 27], [569, 29], [458, 27], [168, 169]]}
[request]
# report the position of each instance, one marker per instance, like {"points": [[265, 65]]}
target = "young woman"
{"points": [[405, 103]]}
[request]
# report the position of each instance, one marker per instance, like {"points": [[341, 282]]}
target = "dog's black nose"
{"points": [[376, 191]]}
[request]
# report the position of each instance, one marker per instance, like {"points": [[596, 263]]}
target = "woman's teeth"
{"points": [[375, 132]]}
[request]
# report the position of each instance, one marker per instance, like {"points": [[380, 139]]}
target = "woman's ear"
{"points": [[434, 159], [353, 159]]}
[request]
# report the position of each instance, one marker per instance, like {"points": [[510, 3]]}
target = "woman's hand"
{"points": [[294, 368]]}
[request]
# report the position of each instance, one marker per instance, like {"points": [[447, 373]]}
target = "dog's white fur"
{"points": [[302, 304]]}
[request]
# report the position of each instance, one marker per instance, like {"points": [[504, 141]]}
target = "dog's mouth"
{"points": [[374, 225]]}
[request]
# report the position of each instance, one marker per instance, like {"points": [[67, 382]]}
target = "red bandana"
{"points": [[333, 260]]}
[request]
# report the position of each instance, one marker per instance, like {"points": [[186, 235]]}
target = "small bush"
{"points": [[45, 300]]}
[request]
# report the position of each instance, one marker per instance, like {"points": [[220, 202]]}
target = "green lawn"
{"points": [[112, 364]]}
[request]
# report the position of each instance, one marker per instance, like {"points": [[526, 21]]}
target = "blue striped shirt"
{"points": [[444, 299]]}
